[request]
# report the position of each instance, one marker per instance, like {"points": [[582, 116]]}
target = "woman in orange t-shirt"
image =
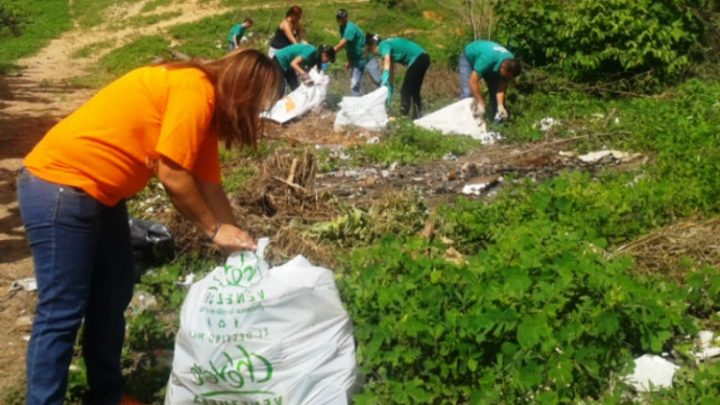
{"points": [[163, 120]]}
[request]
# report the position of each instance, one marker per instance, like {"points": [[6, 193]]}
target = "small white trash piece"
{"points": [[652, 372], [367, 111], [27, 284], [458, 119], [251, 334], [303, 99]]}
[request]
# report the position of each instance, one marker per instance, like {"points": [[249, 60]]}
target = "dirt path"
{"points": [[31, 102]]}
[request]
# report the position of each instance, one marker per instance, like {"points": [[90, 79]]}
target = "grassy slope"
{"points": [[42, 20]]}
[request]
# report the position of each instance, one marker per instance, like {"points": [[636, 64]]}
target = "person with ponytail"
{"points": [[295, 60], [163, 121], [407, 53]]}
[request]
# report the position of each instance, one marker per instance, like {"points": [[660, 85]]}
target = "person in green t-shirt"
{"points": [[237, 32], [295, 60], [496, 66], [407, 53], [353, 40]]}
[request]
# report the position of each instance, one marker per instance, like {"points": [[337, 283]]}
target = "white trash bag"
{"points": [[250, 334], [303, 99], [458, 119], [367, 111]]}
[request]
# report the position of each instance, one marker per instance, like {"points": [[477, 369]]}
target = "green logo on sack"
{"points": [[244, 275], [234, 372]]}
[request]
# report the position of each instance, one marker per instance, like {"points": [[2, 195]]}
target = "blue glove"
{"points": [[385, 78]]}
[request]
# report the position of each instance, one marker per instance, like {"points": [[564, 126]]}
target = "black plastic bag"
{"points": [[152, 245]]}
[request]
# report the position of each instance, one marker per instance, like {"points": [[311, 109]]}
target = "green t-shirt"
{"points": [[356, 44], [486, 56], [401, 50], [286, 55], [238, 31]]}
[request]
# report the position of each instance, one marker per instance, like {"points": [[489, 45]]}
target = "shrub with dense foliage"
{"points": [[594, 40]]}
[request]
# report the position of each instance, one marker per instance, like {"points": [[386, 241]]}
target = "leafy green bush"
{"points": [[599, 40], [538, 316]]}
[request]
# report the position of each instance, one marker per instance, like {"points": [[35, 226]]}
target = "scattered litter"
{"points": [[288, 335], [188, 280], [708, 350], [458, 119], [611, 155], [366, 112], [26, 338], [27, 284], [567, 154], [481, 184], [450, 157], [301, 100], [546, 124], [652, 372], [385, 174], [374, 140]]}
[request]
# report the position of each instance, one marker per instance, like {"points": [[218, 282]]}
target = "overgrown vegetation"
{"points": [[648, 41]]}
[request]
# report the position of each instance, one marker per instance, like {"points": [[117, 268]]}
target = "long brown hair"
{"points": [[246, 84]]}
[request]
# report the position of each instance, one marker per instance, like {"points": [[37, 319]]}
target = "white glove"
{"points": [[478, 109], [502, 114]]}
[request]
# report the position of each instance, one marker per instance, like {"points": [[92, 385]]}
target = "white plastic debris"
{"points": [[615, 155], [450, 157], [652, 372], [458, 119], [374, 140], [707, 350], [547, 124], [188, 280], [27, 284], [477, 188]]}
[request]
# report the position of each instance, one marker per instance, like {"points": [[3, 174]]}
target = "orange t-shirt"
{"points": [[110, 146]]}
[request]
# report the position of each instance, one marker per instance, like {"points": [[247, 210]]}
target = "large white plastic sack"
{"points": [[458, 119], [249, 334], [301, 100], [367, 111]]}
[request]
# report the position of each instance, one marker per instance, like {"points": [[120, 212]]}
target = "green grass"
{"points": [[151, 19], [122, 60], [154, 4], [87, 51], [41, 21], [90, 13], [407, 144]]}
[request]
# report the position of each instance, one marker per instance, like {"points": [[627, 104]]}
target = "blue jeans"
{"points": [[357, 72], [492, 83], [84, 269], [465, 72]]}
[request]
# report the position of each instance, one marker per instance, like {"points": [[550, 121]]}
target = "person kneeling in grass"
{"points": [[165, 121], [497, 67], [407, 53], [295, 60], [237, 32]]}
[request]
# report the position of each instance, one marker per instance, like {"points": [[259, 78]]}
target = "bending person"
{"points": [[407, 53], [496, 66], [289, 32], [353, 41], [295, 60], [164, 121], [237, 32]]}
